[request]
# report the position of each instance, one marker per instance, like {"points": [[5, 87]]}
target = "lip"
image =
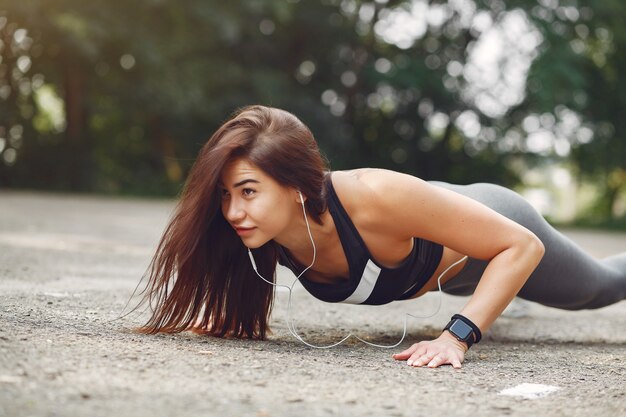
{"points": [[243, 231]]}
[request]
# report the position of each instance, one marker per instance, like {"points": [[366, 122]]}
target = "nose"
{"points": [[233, 211]]}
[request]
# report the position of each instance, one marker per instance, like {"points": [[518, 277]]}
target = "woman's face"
{"points": [[254, 204]]}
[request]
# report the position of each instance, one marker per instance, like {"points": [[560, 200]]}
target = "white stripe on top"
{"points": [[366, 284]]}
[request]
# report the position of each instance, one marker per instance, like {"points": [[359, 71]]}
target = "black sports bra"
{"points": [[369, 282]]}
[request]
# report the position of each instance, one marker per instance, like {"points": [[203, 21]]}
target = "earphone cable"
{"points": [[291, 324]]}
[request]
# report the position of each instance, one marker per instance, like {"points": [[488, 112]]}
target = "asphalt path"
{"points": [[69, 263]]}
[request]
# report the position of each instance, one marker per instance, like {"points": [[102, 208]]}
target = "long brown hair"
{"points": [[200, 273]]}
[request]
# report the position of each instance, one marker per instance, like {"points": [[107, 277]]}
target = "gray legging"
{"points": [[566, 277]]}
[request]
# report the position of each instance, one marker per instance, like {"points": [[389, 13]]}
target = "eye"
{"points": [[248, 192], [225, 193]]}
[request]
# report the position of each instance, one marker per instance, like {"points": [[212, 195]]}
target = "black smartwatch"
{"points": [[464, 330]]}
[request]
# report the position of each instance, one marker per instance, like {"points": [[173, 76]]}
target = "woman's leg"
{"points": [[567, 277]]}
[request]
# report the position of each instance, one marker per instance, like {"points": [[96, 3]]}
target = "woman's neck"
{"points": [[298, 243]]}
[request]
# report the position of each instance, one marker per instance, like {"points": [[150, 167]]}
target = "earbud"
{"points": [[301, 198]]}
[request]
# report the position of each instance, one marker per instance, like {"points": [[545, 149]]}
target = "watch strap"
{"points": [[477, 335]]}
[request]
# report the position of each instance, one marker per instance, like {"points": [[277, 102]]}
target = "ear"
{"points": [[298, 195]]}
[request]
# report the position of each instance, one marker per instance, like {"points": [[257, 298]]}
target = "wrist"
{"points": [[446, 335], [464, 330]]}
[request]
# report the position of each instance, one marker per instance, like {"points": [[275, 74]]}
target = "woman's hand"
{"points": [[445, 349]]}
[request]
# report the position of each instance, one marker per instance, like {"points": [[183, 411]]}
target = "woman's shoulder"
{"points": [[364, 182], [353, 185], [363, 192]]}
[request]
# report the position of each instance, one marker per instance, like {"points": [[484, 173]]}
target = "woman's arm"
{"points": [[411, 207]]}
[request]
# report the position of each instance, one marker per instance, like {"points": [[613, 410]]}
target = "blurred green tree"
{"points": [[575, 79], [461, 90]]}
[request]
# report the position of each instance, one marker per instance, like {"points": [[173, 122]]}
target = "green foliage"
{"points": [[144, 84], [579, 71]]}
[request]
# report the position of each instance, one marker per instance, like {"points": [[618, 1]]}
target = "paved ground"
{"points": [[69, 263]]}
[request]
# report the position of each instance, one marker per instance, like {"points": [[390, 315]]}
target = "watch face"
{"points": [[461, 329]]}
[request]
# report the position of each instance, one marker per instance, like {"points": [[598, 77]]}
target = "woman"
{"points": [[259, 194]]}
